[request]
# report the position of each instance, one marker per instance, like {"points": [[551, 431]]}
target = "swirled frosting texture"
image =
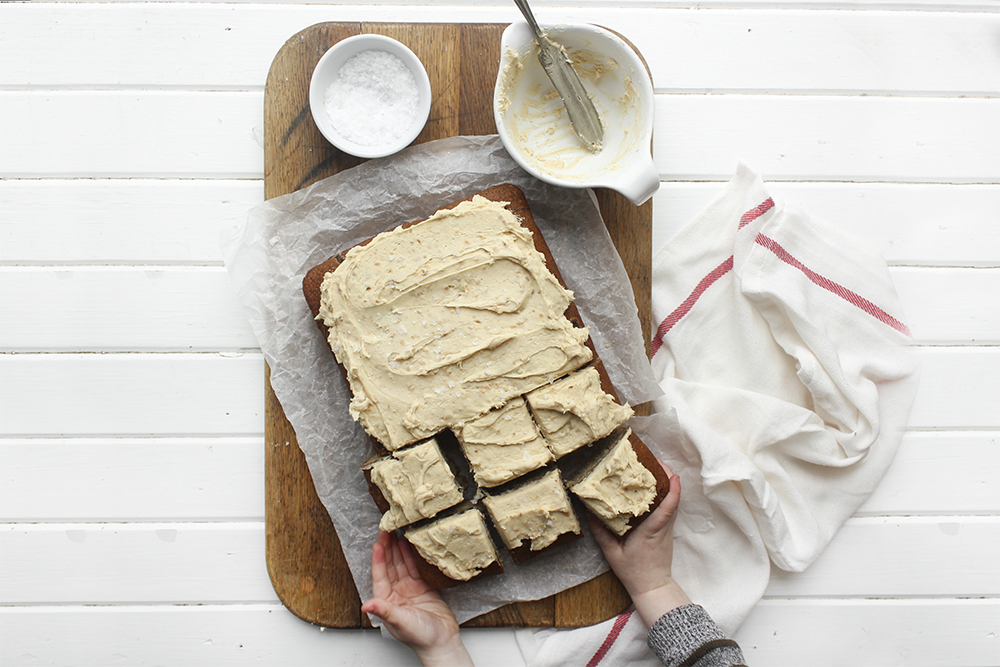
{"points": [[442, 321], [537, 512], [458, 545], [416, 482], [575, 411], [503, 444], [619, 488]]}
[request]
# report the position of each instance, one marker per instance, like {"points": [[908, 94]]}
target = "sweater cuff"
{"points": [[680, 632]]}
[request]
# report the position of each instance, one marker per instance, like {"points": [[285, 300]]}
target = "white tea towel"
{"points": [[788, 379], [618, 641]]}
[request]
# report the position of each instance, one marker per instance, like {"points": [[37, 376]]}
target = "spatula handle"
{"points": [[528, 16]]}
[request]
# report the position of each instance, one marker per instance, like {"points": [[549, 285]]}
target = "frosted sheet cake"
{"points": [[458, 328], [441, 322]]}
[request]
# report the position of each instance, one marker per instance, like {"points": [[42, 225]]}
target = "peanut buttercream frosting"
{"points": [[416, 482], [459, 545], [503, 444], [575, 411], [618, 488], [440, 322], [536, 512]]}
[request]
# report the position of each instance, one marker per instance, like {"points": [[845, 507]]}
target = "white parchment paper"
{"points": [[284, 237]]}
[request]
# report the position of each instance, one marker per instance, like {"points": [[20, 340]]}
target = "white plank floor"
{"points": [[131, 448]]}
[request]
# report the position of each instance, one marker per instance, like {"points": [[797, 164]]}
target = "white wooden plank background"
{"points": [[687, 50], [173, 221], [265, 635], [195, 309], [83, 479], [131, 504], [810, 136]]}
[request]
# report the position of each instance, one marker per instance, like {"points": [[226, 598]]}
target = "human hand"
{"points": [[412, 611], [642, 560]]}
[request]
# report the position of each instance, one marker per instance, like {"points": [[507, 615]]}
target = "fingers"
{"points": [[380, 572], [661, 517], [378, 607], [394, 560], [666, 468], [409, 561], [673, 499], [604, 538], [667, 509]]}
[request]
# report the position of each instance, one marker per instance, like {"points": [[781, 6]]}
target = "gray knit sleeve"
{"points": [[688, 637]]}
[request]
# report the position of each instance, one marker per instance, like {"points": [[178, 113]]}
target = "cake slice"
{"points": [[576, 411], [618, 479], [455, 547], [533, 514], [411, 484], [502, 444]]}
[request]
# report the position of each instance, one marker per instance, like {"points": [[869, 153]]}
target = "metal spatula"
{"points": [[579, 107]]}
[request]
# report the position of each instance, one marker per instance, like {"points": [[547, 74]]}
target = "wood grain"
{"points": [[304, 558]]}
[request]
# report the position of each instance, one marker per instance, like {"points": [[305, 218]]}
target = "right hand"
{"points": [[643, 559]]}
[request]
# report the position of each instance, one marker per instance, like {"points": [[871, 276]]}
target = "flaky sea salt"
{"points": [[373, 100]]}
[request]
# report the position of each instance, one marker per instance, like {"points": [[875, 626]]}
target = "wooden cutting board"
{"points": [[304, 557]]}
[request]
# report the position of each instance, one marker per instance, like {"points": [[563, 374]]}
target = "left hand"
{"points": [[412, 611]]}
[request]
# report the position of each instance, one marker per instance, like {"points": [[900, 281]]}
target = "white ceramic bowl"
{"points": [[536, 132], [326, 73]]}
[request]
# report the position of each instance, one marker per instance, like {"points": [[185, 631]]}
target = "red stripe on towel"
{"points": [[782, 254], [756, 212], [836, 288], [609, 641], [706, 282], [682, 310]]}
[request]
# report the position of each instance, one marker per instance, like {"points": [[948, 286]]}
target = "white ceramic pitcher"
{"points": [[533, 126]]}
